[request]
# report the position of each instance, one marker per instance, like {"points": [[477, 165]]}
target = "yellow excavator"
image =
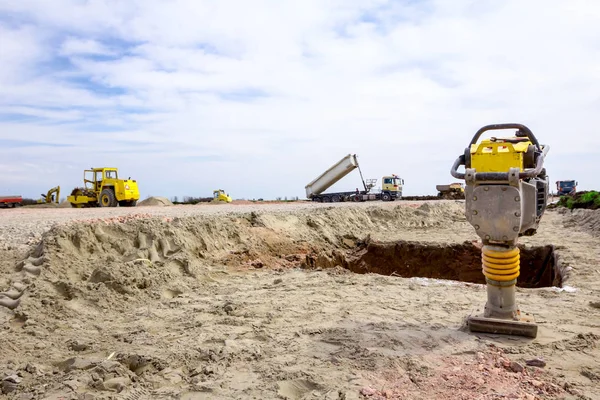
{"points": [[53, 196], [506, 195]]}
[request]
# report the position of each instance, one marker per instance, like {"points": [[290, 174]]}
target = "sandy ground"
{"points": [[220, 302]]}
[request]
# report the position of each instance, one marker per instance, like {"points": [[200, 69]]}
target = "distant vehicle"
{"points": [[11, 201], [391, 186], [452, 191], [564, 188], [53, 196], [219, 196], [103, 188]]}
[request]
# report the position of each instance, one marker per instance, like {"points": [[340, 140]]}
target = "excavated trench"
{"points": [[540, 265]]}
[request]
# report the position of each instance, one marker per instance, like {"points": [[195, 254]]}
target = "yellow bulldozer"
{"points": [[219, 196], [53, 196], [103, 188]]}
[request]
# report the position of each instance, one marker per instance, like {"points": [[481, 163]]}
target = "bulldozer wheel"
{"points": [[107, 198]]}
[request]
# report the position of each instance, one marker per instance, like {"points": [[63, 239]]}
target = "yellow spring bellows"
{"points": [[501, 266]]}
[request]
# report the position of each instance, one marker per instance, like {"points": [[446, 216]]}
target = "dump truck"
{"points": [[391, 186], [452, 191], [103, 188], [564, 188], [11, 201]]}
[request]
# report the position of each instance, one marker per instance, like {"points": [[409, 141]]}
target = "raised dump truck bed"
{"points": [[332, 175], [11, 201], [315, 189]]}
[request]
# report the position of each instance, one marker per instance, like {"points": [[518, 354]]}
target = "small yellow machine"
{"points": [[506, 196], [53, 196], [219, 196], [452, 191], [103, 188]]}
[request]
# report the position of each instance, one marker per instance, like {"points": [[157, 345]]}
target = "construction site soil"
{"points": [[287, 301]]}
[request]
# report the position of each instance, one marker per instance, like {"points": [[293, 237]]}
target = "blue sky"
{"points": [[260, 97]]}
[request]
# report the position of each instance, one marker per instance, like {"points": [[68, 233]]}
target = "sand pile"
{"points": [[138, 257], [155, 201], [64, 204], [588, 220]]}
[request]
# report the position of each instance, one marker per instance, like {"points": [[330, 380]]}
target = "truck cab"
{"points": [[566, 187], [392, 185]]}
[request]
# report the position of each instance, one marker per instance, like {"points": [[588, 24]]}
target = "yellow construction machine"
{"points": [[53, 196], [506, 196], [219, 196], [452, 191], [103, 188]]}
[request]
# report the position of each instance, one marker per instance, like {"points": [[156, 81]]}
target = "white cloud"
{"points": [[259, 97], [74, 46]]}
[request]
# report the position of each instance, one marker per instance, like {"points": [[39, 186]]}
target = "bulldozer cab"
{"points": [[219, 195], [94, 178]]}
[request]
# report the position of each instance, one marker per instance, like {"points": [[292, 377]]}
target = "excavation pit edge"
{"points": [[540, 266]]}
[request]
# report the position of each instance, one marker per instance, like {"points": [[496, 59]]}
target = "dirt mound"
{"points": [[155, 201], [64, 204], [588, 220], [133, 259]]}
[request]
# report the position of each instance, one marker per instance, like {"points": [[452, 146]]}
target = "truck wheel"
{"points": [[335, 199], [107, 198], [386, 197], [326, 199]]}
